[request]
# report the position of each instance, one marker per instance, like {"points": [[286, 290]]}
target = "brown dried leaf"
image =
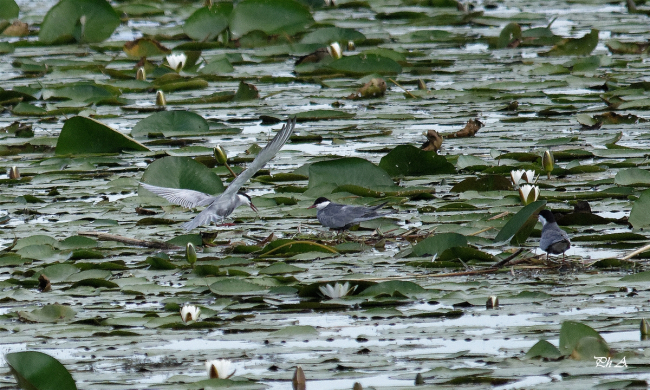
{"points": [[434, 141], [471, 128], [44, 284], [17, 29]]}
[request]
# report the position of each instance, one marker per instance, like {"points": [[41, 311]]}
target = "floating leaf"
{"points": [[632, 177], [576, 46], [271, 17], [411, 161], [170, 124], [435, 245], [295, 331], [327, 35], [81, 135], [484, 183], [571, 341], [510, 36], [38, 371], [290, 247], [350, 170], [48, 313], [181, 172], [245, 92], [145, 47], [8, 9], [404, 288], [639, 216], [543, 349], [234, 287], [365, 64], [281, 268], [206, 23], [79, 20], [519, 227]]}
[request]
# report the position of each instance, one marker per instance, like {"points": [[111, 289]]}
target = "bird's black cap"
{"points": [[547, 215], [321, 200]]}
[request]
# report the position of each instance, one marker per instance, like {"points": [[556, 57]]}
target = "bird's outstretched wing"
{"points": [[265, 155], [185, 198]]}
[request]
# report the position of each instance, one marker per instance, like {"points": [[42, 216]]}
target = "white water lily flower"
{"points": [[190, 313], [528, 193], [176, 61], [221, 369], [516, 176], [529, 176], [335, 50], [338, 290]]}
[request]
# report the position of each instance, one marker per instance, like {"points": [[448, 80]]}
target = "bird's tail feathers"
{"points": [[205, 217]]}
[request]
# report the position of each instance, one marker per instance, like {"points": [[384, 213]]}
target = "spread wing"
{"points": [[265, 155], [185, 198]]}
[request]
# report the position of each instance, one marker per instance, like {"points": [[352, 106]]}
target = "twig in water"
{"points": [[404, 89], [130, 241], [636, 252]]}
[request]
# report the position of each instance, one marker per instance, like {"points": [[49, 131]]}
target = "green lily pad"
{"points": [[8, 9], [577, 338], [76, 242], [235, 287], [407, 160], [404, 288], [48, 313], [327, 35], [181, 172], [206, 23], [145, 47], [79, 20], [81, 135], [639, 216], [365, 64], [483, 183], [287, 247], [632, 177], [295, 331], [171, 124], [576, 46], [281, 268], [38, 371], [436, 245], [348, 171], [59, 272], [271, 17], [544, 350], [519, 227]]}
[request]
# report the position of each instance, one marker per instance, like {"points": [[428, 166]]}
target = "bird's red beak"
{"points": [[312, 206], [253, 206]]}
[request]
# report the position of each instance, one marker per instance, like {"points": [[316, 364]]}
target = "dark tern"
{"points": [[341, 217], [222, 205], [554, 240]]}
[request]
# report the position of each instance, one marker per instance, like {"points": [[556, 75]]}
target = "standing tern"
{"points": [[554, 240], [222, 205], [341, 217]]}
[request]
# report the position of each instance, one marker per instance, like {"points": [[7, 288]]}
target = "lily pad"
{"points": [[8, 9], [543, 349], [38, 371], [171, 124], [206, 23], [577, 338], [271, 17], [234, 287], [79, 20], [81, 135], [408, 160], [404, 288], [632, 177], [519, 227], [576, 46], [639, 216], [348, 171], [48, 313], [435, 245], [365, 64], [181, 172]]}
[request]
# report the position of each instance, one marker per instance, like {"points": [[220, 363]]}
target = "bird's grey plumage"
{"points": [[554, 240], [339, 216], [222, 205]]}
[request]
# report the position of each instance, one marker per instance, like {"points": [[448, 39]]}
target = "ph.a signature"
{"points": [[605, 361]]}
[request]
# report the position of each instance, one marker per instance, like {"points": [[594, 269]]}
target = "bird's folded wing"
{"points": [[266, 154], [185, 198]]}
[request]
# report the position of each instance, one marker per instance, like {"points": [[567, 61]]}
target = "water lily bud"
{"points": [[190, 313], [220, 155], [14, 173], [492, 302], [419, 380], [351, 46], [299, 382], [207, 3], [422, 86], [645, 327], [528, 193], [548, 162], [141, 74], [335, 50], [357, 386], [160, 99], [190, 253], [220, 369]]}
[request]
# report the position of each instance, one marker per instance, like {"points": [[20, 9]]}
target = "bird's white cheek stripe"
{"points": [[321, 206]]}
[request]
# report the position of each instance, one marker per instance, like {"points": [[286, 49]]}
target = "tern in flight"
{"points": [[221, 206]]}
